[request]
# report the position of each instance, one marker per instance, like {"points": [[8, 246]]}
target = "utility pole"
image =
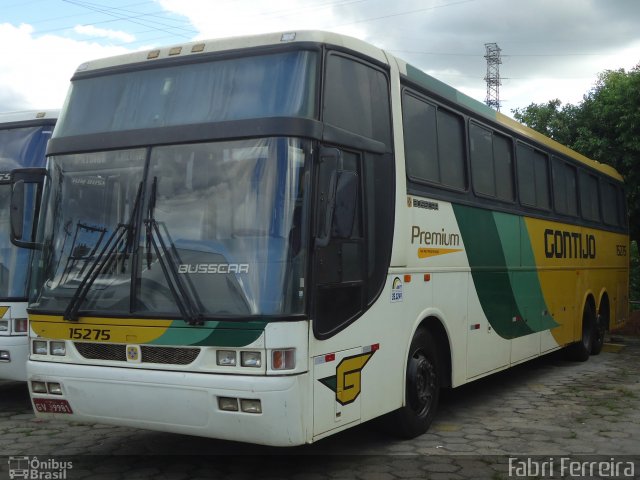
{"points": [[493, 75]]}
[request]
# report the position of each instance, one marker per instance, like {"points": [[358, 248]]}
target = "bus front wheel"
{"points": [[422, 388]]}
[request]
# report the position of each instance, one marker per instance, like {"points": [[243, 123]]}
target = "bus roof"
{"points": [[278, 38], [28, 117]]}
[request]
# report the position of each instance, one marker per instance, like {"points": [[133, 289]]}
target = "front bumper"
{"points": [[181, 402]]}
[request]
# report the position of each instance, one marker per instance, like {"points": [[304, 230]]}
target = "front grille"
{"points": [[170, 355], [150, 354], [102, 351]]}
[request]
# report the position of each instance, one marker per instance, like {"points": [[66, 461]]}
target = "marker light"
{"points": [[4, 325], [39, 347], [250, 359], [226, 358], [57, 348], [39, 387], [250, 406], [54, 388], [227, 403], [20, 325], [5, 356], [283, 359]]}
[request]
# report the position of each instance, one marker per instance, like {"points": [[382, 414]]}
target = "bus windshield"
{"points": [[19, 147], [222, 221], [274, 85]]}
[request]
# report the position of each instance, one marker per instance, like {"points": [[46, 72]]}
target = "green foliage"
{"points": [[551, 119], [605, 127]]}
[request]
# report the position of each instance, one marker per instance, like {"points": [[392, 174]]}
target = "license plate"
{"points": [[50, 405]]}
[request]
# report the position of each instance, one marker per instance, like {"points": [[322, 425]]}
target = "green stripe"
{"points": [[218, 334], [497, 245], [445, 91]]}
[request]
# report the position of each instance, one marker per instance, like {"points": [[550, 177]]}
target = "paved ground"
{"points": [[548, 410]]}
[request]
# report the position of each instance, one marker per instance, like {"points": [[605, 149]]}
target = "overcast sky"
{"points": [[550, 48]]}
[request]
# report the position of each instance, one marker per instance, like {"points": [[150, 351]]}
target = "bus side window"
{"points": [[589, 196], [533, 177]]}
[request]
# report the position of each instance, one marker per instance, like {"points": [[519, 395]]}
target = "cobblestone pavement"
{"points": [[546, 410]]}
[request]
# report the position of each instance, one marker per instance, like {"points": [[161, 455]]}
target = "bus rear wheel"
{"points": [[422, 389], [581, 350], [599, 331]]}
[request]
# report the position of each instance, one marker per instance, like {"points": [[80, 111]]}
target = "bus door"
{"points": [[339, 285]]}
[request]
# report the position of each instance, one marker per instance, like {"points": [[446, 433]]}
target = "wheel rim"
{"points": [[422, 383]]}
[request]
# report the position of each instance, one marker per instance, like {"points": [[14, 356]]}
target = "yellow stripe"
{"points": [[434, 252], [98, 329]]}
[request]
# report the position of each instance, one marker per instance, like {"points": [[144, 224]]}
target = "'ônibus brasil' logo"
{"points": [[346, 383]]}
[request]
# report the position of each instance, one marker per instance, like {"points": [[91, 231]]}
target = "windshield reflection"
{"points": [[224, 217], [19, 147]]}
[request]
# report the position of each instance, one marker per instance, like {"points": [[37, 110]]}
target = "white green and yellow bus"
{"points": [[273, 238], [23, 141]]}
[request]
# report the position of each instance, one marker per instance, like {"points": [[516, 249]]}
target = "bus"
{"points": [[23, 141], [273, 238]]}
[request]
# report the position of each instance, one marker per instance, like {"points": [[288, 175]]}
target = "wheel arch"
{"points": [[434, 325]]}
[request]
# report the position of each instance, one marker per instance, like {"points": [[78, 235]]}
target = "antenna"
{"points": [[493, 75]]}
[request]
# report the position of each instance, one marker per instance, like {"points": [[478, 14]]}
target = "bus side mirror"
{"points": [[24, 207], [339, 195]]}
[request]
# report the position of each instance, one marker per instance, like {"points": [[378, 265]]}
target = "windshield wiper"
{"points": [[104, 259], [183, 292]]}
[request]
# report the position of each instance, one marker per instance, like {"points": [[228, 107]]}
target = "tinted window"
{"points": [[610, 213], [282, 84], [451, 149], [565, 193], [357, 98], [434, 143], [491, 163], [420, 139], [533, 177], [589, 196]]}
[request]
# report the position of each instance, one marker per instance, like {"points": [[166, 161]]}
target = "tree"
{"points": [[605, 126], [551, 119]]}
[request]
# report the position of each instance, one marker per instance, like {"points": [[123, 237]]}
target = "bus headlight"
{"points": [[39, 347], [4, 325], [54, 388], [250, 359], [38, 387], [226, 358], [228, 404], [58, 348], [250, 406]]}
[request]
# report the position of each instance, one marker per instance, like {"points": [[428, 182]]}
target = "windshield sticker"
{"points": [[213, 268]]}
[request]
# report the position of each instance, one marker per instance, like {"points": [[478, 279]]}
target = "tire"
{"points": [[599, 330], [581, 350], [422, 388]]}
